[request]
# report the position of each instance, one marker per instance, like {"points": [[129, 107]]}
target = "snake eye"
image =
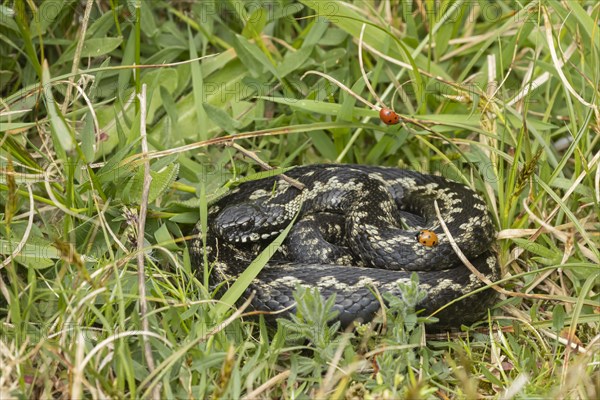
{"points": [[246, 225]]}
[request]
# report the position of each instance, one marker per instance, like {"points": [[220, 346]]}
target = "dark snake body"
{"points": [[356, 229]]}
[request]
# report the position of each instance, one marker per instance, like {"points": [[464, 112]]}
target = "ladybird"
{"points": [[427, 238], [388, 117]]}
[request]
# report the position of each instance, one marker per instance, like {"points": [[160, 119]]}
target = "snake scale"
{"points": [[356, 230]]}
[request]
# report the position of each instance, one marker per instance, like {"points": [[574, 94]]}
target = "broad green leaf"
{"points": [[253, 57], [94, 47], [323, 144], [319, 107], [47, 14], [61, 133], [388, 144], [198, 90], [37, 253], [124, 77], [255, 24], [100, 46], [221, 87], [164, 238], [347, 110], [186, 217], [169, 104], [536, 248], [221, 118], [293, 61], [317, 30], [246, 112], [101, 26], [88, 138], [254, 67], [147, 21], [558, 317], [12, 126], [333, 37], [162, 78], [161, 180], [115, 167]]}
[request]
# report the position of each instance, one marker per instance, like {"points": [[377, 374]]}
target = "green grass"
{"points": [[502, 96]]}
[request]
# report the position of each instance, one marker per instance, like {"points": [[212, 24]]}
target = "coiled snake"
{"points": [[356, 229]]}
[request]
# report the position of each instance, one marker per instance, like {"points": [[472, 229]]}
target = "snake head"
{"points": [[240, 223]]}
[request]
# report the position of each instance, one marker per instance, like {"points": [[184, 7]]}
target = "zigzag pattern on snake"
{"points": [[356, 229]]}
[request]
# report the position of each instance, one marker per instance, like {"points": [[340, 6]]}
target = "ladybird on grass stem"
{"points": [[388, 117]]}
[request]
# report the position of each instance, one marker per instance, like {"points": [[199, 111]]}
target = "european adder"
{"points": [[356, 229]]}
